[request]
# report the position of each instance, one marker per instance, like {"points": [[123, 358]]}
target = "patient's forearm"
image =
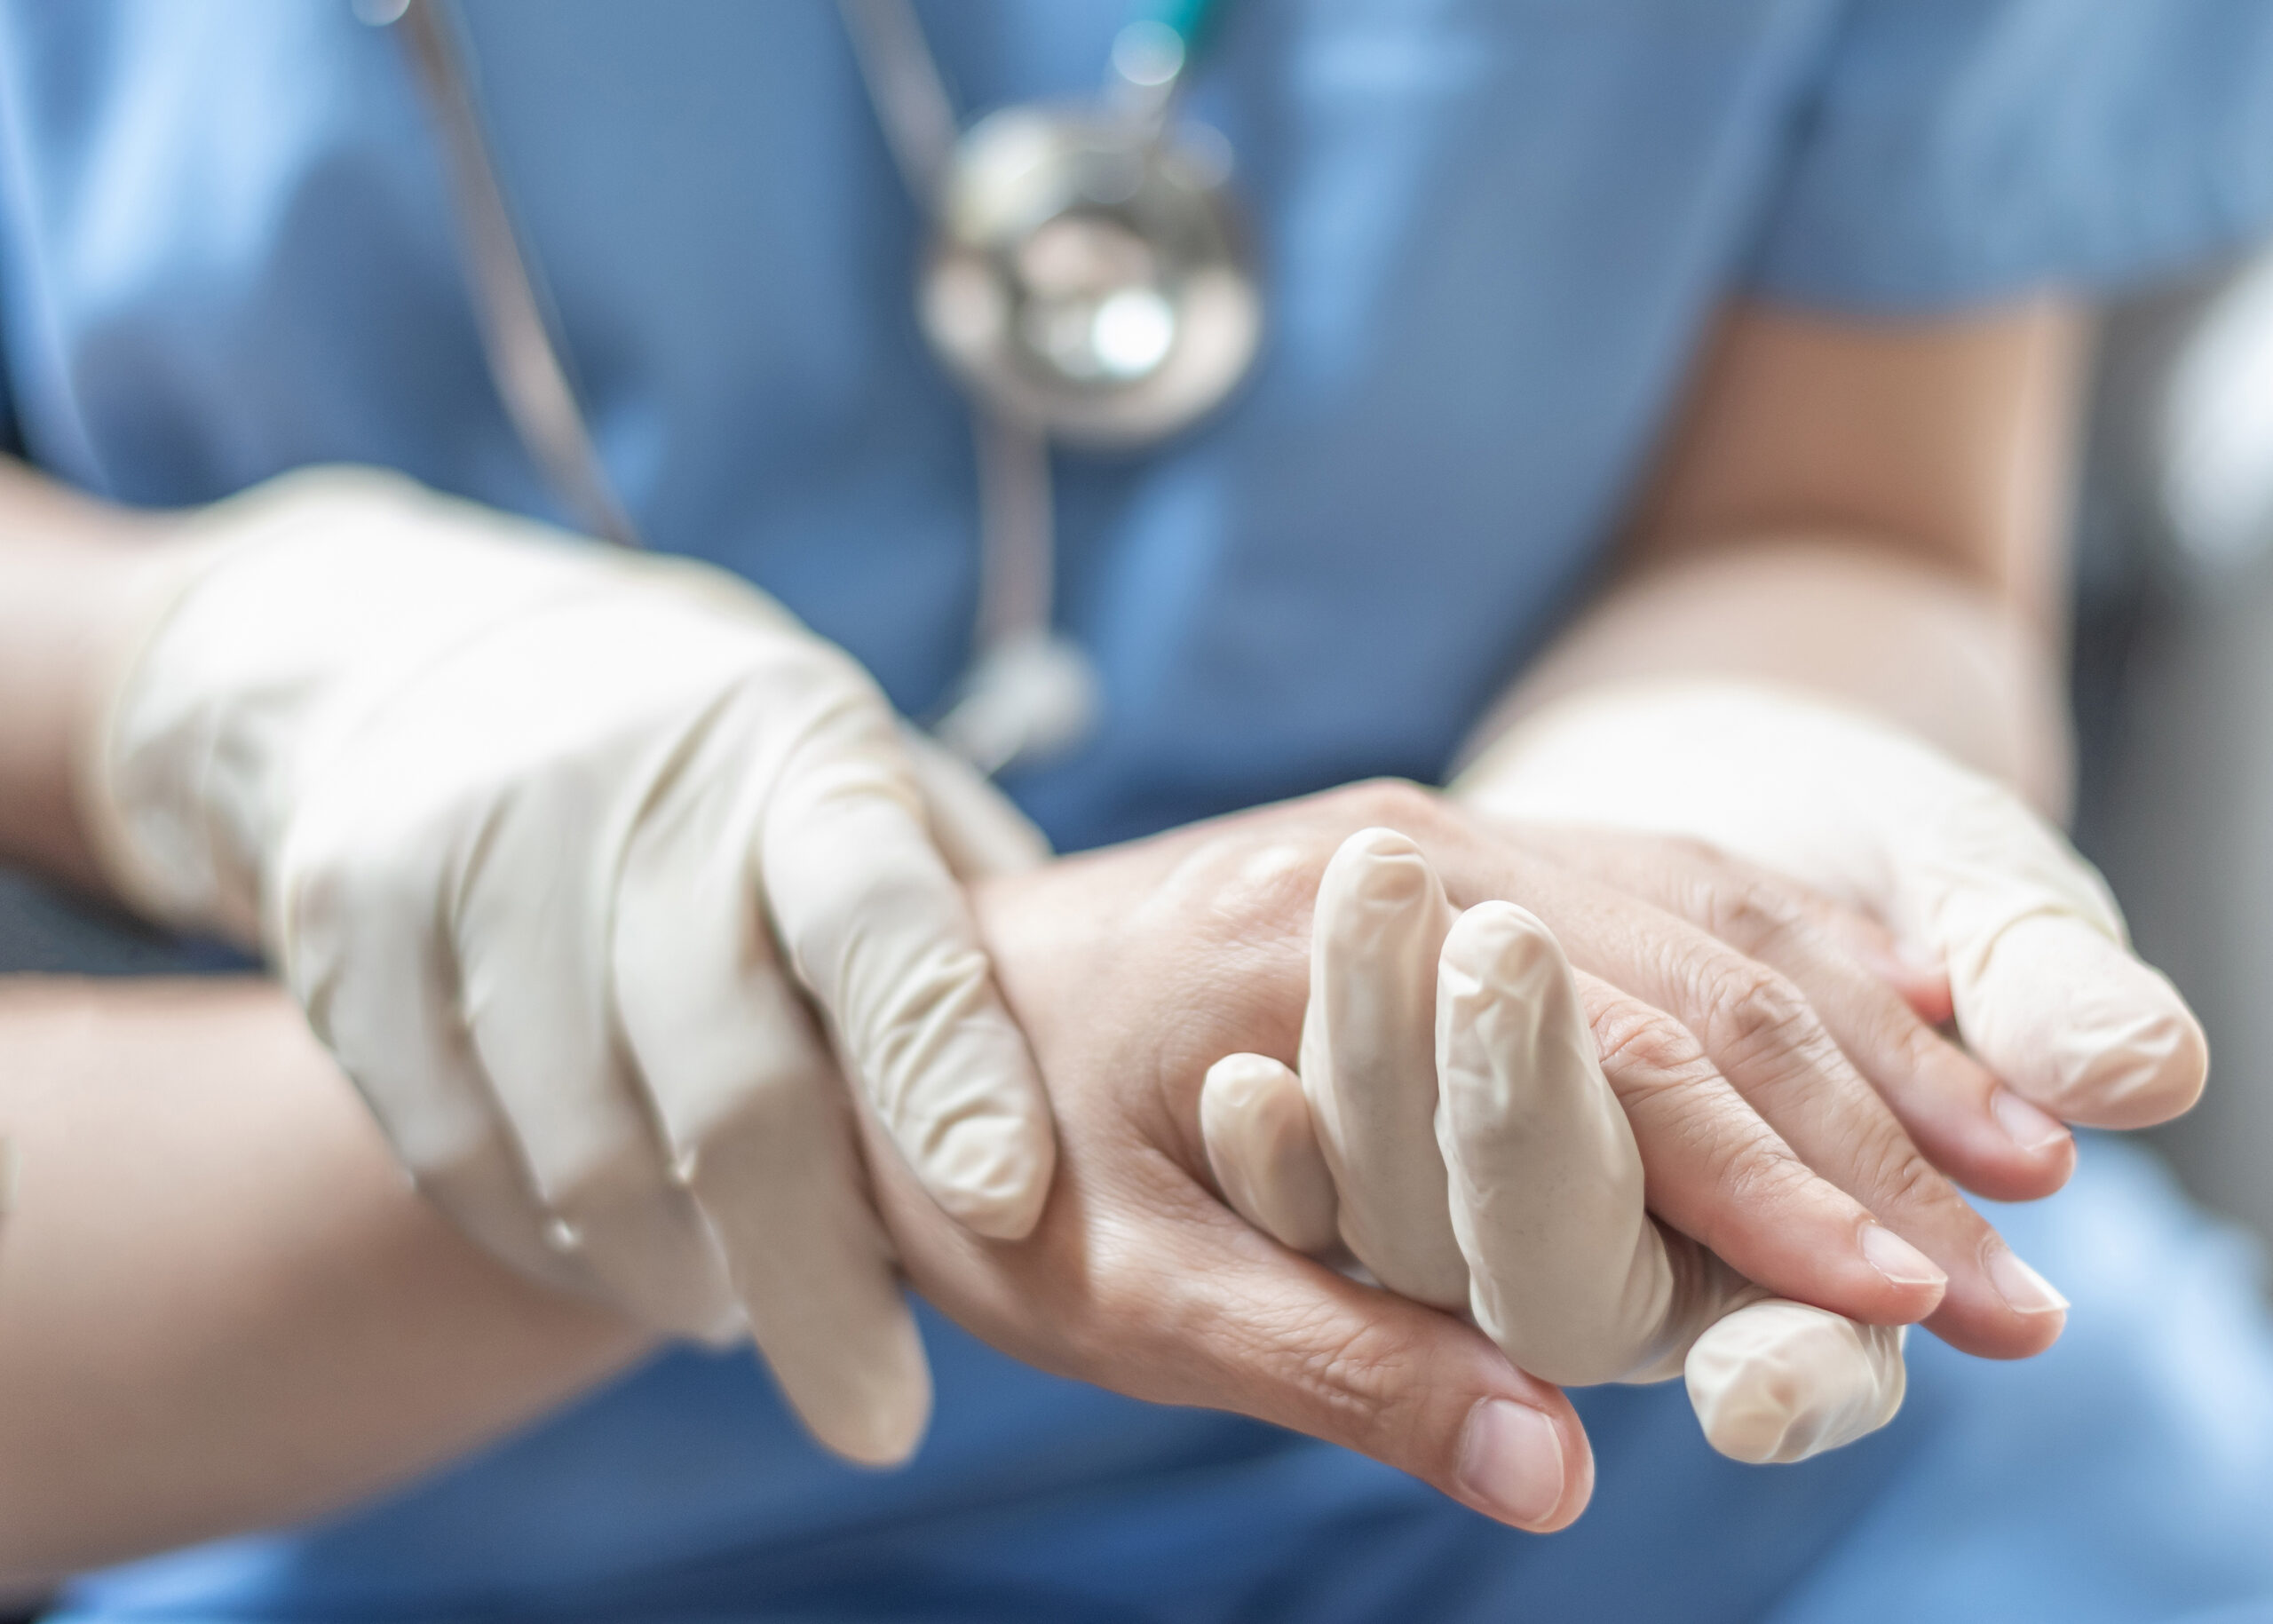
{"points": [[1950, 661], [221, 1307]]}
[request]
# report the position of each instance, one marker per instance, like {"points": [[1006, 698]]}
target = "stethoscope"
{"points": [[1086, 282]]}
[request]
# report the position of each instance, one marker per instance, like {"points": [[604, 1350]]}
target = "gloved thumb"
{"points": [[2042, 980]]}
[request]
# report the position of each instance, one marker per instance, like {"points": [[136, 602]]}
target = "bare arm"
{"points": [[221, 1306], [297, 1329], [72, 573], [1872, 511]]}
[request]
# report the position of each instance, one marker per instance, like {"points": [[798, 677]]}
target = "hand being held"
{"points": [[1452, 1127], [1134, 968]]}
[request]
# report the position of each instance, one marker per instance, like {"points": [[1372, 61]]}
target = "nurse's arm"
{"points": [[1871, 510], [221, 1306]]}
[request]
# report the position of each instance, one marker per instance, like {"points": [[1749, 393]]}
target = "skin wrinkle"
{"points": [[1700, 971], [1898, 473], [1940, 1096], [1490, 1020]]}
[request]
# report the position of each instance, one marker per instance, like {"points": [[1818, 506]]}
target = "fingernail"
{"points": [[2023, 1289], [1511, 1462], [2026, 1125], [1897, 1259]]}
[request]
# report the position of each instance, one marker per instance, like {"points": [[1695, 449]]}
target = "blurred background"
{"points": [[2173, 688], [2174, 694]]}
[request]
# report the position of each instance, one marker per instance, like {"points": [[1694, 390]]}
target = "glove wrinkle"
{"points": [[1368, 1062], [1878, 820], [518, 819], [1530, 1155]]}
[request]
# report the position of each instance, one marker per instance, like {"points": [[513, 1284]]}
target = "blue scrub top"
{"points": [[1493, 233]]}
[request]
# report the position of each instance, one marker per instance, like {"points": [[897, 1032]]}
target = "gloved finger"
{"points": [[2076, 1023], [395, 1025], [758, 1121], [978, 830], [2045, 987], [1769, 1384], [1255, 1124], [1570, 1277], [879, 933], [1957, 1113], [1777, 1381], [551, 1054], [1368, 1062], [1763, 1035], [1716, 1171], [1960, 1117]]}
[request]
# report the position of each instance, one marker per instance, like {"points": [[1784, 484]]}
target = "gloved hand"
{"points": [[530, 827], [1453, 1125], [2045, 988]]}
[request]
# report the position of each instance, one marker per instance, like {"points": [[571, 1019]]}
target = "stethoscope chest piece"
{"points": [[1086, 277]]}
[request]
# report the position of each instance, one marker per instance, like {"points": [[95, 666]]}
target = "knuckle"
{"points": [[1749, 1175], [1359, 1372], [1748, 1008], [1752, 913], [1909, 1047], [1894, 1176], [1759, 1023], [1644, 1052]]}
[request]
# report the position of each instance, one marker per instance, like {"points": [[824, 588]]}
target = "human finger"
{"points": [[1716, 1171], [1955, 862], [1529, 1120], [1409, 1386], [1141, 1281], [759, 1125], [879, 933], [1800, 1131], [1760, 1034], [1265, 1154], [1955, 1109], [1777, 1381], [1368, 1062]]}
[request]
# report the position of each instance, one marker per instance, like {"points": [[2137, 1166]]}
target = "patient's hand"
{"points": [[1133, 969], [1130, 970], [1452, 1128]]}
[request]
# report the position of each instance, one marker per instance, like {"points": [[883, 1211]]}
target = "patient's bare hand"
{"points": [[1133, 969]]}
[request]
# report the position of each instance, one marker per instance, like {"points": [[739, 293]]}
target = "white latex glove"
{"points": [[2045, 990], [530, 827], [1452, 1119]]}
